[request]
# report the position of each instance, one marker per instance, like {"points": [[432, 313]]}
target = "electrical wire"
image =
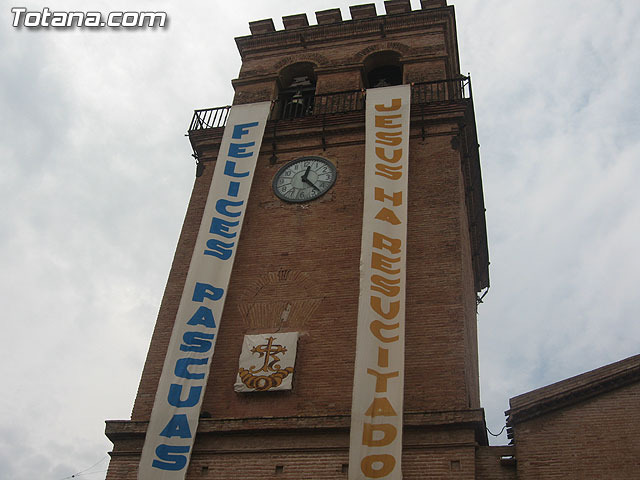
{"points": [[86, 470], [496, 434], [77, 475]]}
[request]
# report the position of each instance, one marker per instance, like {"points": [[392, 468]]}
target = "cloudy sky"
{"points": [[96, 172]]}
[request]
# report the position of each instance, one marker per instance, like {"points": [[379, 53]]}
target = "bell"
{"points": [[297, 98]]}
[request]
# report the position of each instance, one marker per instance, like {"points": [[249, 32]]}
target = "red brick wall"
{"points": [[294, 253], [595, 439], [430, 453], [469, 305], [321, 240], [436, 333], [490, 466], [425, 40]]}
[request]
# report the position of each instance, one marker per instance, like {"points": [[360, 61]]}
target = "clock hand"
{"points": [[306, 174], [309, 182]]}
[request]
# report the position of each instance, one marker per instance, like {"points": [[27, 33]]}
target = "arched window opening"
{"points": [[385, 76], [383, 69], [296, 97]]}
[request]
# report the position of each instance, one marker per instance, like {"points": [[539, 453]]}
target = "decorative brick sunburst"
{"points": [[279, 300]]}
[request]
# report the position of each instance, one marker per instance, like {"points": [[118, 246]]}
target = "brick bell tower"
{"points": [[298, 259]]}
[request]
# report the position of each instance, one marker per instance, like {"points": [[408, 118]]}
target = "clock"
{"points": [[304, 179]]}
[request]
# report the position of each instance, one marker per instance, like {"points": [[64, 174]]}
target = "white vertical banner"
{"points": [[174, 418], [376, 414]]}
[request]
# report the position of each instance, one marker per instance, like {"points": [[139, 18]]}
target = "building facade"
{"points": [[298, 260]]}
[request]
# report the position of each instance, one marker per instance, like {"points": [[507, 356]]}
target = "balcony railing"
{"points": [[441, 91], [320, 104], [209, 118]]}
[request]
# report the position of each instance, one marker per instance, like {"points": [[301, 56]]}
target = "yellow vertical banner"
{"points": [[376, 414], [174, 419]]}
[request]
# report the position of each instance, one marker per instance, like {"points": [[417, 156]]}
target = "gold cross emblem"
{"points": [[268, 351], [270, 374]]}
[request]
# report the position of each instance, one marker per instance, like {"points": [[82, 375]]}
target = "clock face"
{"points": [[304, 179]]}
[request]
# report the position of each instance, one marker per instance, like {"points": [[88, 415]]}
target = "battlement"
{"points": [[421, 43], [334, 15], [331, 26]]}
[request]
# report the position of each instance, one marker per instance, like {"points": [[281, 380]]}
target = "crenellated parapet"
{"points": [[422, 42], [334, 15]]}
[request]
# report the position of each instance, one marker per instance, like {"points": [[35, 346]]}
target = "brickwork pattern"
{"points": [[424, 39], [320, 240], [491, 466], [429, 453], [595, 439]]}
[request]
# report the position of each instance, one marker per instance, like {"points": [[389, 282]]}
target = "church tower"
{"points": [[279, 391]]}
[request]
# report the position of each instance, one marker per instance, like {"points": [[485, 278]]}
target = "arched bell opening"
{"points": [[383, 69], [297, 92]]}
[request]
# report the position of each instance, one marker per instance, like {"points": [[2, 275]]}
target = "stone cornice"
{"points": [[129, 428], [254, 79]]}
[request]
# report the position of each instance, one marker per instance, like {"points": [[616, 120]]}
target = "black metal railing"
{"points": [[350, 101], [296, 106], [321, 104], [441, 91], [209, 118], [422, 93]]}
